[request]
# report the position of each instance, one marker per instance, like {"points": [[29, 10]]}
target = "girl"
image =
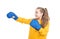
{"points": [[39, 26]]}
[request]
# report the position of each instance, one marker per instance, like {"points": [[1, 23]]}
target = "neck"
{"points": [[40, 18]]}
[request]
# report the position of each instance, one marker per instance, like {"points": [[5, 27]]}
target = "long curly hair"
{"points": [[45, 18]]}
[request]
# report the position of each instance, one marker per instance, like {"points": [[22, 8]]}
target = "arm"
{"points": [[44, 31], [18, 19], [23, 20], [34, 23]]}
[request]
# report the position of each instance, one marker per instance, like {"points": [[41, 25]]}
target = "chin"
{"points": [[37, 18]]}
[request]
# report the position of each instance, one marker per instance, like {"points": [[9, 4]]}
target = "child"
{"points": [[38, 26]]}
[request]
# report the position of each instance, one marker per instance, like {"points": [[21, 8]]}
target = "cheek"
{"points": [[37, 15], [40, 14]]}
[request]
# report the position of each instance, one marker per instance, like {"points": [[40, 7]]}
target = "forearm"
{"points": [[23, 20]]}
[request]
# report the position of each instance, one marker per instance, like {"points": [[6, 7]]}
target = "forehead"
{"points": [[37, 9]]}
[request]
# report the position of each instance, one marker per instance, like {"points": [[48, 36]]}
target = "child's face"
{"points": [[38, 14]]}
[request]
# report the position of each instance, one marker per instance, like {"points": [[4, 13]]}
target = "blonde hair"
{"points": [[45, 17]]}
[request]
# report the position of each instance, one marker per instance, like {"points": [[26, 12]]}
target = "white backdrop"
{"points": [[10, 29]]}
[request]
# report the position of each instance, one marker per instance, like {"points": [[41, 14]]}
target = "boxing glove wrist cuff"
{"points": [[15, 17]]}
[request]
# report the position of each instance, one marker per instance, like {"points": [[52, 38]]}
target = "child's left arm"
{"points": [[45, 30]]}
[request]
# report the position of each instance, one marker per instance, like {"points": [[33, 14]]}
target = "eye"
{"points": [[36, 12]]}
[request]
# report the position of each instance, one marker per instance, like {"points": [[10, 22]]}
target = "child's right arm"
{"points": [[23, 20], [18, 19]]}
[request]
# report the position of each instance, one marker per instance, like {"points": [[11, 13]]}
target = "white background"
{"points": [[10, 29]]}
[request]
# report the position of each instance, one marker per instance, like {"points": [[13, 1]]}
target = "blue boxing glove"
{"points": [[34, 23], [12, 15]]}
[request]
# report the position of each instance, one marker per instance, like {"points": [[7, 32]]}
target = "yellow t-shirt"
{"points": [[33, 33]]}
